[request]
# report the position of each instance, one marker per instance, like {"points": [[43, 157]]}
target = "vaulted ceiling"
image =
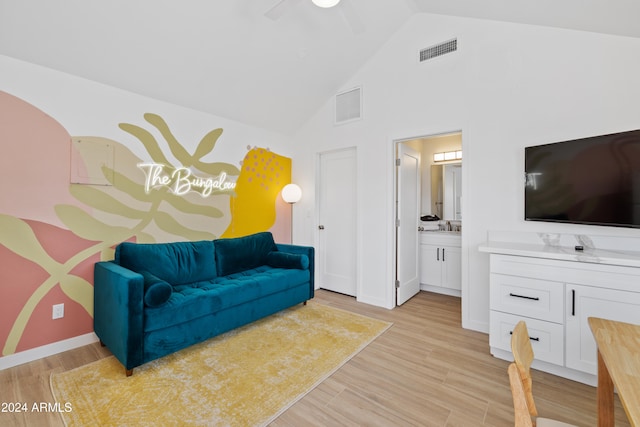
{"points": [[266, 63]]}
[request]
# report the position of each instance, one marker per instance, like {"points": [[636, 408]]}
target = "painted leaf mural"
{"points": [[50, 260], [41, 273], [150, 210]]}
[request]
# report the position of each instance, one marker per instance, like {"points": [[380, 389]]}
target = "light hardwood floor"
{"points": [[424, 371]]}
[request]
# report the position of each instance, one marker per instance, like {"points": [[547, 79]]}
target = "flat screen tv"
{"points": [[592, 180]]}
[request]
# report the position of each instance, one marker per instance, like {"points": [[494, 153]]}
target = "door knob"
{"points": [[321, 227]]}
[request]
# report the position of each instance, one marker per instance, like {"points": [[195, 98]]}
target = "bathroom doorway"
{"points": [[437, 204]]}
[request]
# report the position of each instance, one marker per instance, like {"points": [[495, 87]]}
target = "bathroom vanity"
{"points": [[440, 262]]}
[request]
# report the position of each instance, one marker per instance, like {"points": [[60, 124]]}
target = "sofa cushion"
{"points": [[200, 299], [156, 290], [243, 253], [286, 260], [177, 263]]}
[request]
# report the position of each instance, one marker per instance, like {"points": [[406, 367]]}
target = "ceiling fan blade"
{"points": [[350, 15], [280, 8]]}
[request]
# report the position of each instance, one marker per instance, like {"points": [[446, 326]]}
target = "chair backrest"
{"points": [[520, 408], [523, 357]]}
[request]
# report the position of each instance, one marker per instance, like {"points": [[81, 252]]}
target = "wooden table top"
{"points": [[619, 345]]}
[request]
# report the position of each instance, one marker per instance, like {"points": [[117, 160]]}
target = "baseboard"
{"points": [[440, 290], [374, 301], [30, 355], [560, 371], [474, 325]]}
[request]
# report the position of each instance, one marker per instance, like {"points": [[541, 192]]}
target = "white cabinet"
{"points": [[584, 302], [440, 262], [555, 298], [430, 265], [452, 267]]}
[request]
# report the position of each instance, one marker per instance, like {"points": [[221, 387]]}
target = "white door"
{"points": [[408, 211], [337, 221]]}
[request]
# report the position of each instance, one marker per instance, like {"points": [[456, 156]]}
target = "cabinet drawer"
{"points": [[547, 339], [539, 299]]}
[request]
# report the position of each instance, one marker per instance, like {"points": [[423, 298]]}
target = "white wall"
{"points": [[508, 86], [84, 107]]}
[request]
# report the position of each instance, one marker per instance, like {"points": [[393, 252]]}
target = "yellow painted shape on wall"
{"points": [[253, 207]]}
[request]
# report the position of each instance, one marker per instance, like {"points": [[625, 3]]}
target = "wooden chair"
{"points": [[521, 409], [526, 413], [523, 358]]}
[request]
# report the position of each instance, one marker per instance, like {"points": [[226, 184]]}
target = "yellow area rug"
{"points": [[246, 377]]}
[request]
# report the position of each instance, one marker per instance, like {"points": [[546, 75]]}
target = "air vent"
{"points": [[438, 50], [349, 105]]}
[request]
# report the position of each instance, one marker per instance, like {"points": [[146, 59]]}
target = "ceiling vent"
{"points": [[349, 106], [438, 50]]}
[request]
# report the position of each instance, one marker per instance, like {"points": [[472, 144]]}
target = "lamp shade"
{"points": [[325, 3], [291, 193]]}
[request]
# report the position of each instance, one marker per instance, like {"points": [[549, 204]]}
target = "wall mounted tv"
{"points": [[592, 180]]}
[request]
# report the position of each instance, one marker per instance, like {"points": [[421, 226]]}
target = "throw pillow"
{"points": [[286, 260], [156, 291]]}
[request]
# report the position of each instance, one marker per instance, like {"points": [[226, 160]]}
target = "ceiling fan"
{"points": [[344, 6]]}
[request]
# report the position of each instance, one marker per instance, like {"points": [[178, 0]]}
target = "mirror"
{"points": [[446, 190], [440, 181]]}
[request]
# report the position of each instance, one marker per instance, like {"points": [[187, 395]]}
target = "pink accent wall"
{"points": [[34, 177], [281, 229], [21, 278], [34, 162]]}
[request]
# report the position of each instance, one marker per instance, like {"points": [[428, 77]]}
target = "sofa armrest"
{"points": [[309, 251], [118, 311]]}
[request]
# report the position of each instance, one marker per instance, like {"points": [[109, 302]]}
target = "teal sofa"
{"points": [[157, 298]]}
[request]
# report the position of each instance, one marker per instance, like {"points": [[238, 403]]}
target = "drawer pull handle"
{"points": [[524, 296], [531, 338]]}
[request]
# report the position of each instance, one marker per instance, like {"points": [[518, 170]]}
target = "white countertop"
{"points": [[440, 232], [628, 258]]}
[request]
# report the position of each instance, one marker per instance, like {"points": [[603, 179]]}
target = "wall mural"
{"points": [[173, 195], [262, 177]]}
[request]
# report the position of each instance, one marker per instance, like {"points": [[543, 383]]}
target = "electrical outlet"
{"points": [[58, 311]]}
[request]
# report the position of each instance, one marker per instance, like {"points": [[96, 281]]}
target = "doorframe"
{"points": [[316, 231], [393, 250]]}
